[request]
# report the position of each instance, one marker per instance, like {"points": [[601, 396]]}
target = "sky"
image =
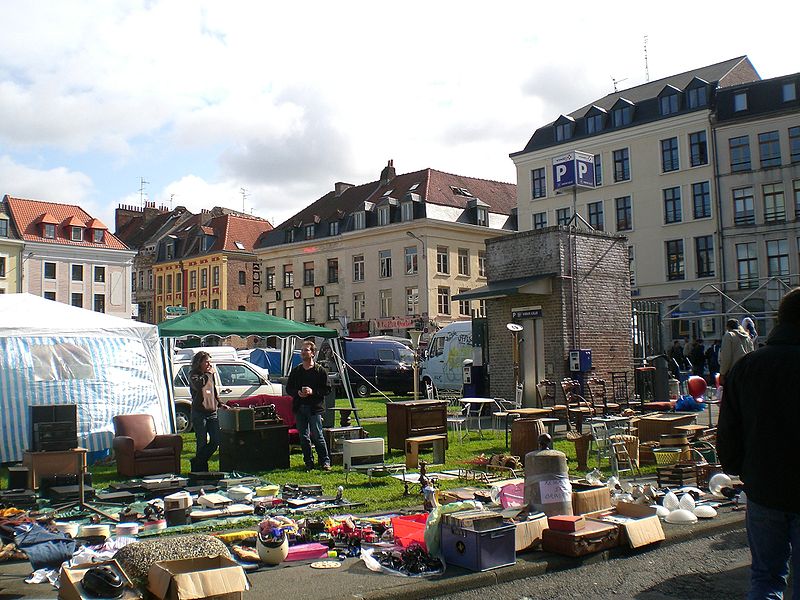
{"points": [[204, 99]]}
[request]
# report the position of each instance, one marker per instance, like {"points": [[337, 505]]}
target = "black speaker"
{"points": [[257, 450], [18, 478], [53, 426]]}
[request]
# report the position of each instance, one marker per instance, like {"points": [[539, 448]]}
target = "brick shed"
{"points": [[529, 282]]}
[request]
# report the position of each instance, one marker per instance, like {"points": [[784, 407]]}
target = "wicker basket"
{"points": [[667, 456]]}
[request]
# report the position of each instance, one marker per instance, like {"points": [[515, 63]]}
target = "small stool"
{"points": [[412, 448]]}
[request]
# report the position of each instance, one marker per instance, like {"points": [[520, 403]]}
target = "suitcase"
{"points": [[594, 537]]}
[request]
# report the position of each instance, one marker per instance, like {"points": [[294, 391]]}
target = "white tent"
{"points": [[53, 353]]}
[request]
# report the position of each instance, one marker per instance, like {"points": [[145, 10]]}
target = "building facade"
{"points": [[662, 179], [71, 257], [757, 141], [386, 256], [10, 254]]}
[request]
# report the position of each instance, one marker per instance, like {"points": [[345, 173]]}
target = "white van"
{"points": [[447, 350], [235, 379]]}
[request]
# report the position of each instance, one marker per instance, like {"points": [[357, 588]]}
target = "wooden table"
{"points": [[653, 426], [54, 462], [412, 449]]}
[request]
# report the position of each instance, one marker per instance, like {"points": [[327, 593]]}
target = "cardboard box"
{"points": [[70, 582], [178, 500], [528, 533], [588, 498], [566, 522], [638, 523], [193, 578]]}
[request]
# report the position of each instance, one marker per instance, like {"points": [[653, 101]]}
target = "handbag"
{"points": [[210, 394]]}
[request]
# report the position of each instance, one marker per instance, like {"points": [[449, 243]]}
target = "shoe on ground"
{"points": [[309, 467], [325, 467]]}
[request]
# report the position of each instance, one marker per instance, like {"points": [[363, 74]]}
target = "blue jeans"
{"points": [[206, 432], [774, 537], [309, 427]]}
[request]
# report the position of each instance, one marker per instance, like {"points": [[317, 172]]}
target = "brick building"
{"points": [[530, 279]]}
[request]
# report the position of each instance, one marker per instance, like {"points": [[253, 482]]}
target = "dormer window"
{"points": [[384, 217], [407, 211], [359, 220], [49, 231], [668, 101], [170, 250], [482, 216], [208, 242], [333, 228], [311, 231], [697, 94], [98, 235], [76, 235], [789, 92], [3, 227], [594, 123], [565, 127], [622, 113], [289, 236], [740, 101]]}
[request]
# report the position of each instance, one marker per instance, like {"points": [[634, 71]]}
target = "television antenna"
{"points": [[618, 81], [245, 195], [646, 68], [142, 191]]}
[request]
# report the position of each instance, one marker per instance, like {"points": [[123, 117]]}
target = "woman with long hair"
{"points": [[205, 401]]}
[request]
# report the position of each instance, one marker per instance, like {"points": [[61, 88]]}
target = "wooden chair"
{"points": [[599, 398], [546, 390], [578, 407], [620, 393]]}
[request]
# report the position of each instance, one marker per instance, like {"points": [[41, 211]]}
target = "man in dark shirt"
{"points": [[308, 386], [757, 440]]}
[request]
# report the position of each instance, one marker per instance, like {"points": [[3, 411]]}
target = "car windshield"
{"points": [[406, 355]]}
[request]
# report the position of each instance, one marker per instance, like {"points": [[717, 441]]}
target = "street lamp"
{"points": [[415, 335], [515, 328]]}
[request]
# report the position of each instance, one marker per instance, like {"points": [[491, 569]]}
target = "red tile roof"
{"points": [[27, 214], [96, 224], [234, 228]]}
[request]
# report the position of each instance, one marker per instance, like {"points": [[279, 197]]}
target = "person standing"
{"points": [[712, 359], [697, 355], [735, 344], [750, 327], [756, 439], [308, 386], [205, 402], [676, 358]]}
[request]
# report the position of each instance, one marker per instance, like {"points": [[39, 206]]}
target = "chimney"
{"points": [[124, 215], [388, 173], [340, 188]]}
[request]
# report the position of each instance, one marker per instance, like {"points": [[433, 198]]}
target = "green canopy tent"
{"points": [[212, 321]]}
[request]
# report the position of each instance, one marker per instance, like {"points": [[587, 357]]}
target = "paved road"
{"points": [[711, 568]]}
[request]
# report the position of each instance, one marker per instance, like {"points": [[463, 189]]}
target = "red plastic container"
{"points": [[410, 529]]}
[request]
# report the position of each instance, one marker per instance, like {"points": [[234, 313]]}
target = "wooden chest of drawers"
{"points": [[414, 418]]}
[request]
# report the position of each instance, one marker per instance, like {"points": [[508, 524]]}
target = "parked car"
{"points": [[385, 364], [235, 379]]}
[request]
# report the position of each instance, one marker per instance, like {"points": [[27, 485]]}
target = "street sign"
{"points": [[573, 168], [175, 311]]}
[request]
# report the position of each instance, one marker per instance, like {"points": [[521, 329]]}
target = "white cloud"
{"points": [[51, 185]]}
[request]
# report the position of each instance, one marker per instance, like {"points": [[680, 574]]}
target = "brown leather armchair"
{"points": [[139, 450]]}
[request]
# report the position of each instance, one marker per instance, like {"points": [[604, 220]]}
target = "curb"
{"points": [[533, 564]]}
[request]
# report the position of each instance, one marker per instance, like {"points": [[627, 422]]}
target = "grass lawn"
{"points": [[384, 494]]}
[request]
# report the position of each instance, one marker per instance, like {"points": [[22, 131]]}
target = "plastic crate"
{"points": [[479, 550], [410, 529]]}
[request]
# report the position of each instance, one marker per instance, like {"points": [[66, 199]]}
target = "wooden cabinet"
{"points": [[54, 462], [414, 418]]}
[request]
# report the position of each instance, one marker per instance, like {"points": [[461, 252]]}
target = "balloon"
{"points": [[697, 386]]}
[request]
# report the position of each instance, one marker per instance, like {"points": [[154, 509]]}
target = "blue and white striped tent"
{"points": [[53, 353]]}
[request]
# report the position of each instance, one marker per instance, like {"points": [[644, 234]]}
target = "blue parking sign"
{"points": [[584, 169], [573, 168]]}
